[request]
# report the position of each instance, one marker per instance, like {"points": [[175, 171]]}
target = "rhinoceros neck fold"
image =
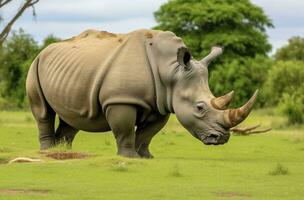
{"points": [[162, 92]]}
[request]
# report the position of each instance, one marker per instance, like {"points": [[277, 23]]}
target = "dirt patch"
{"points": [[23, 191], [231, 194], [66, 155]]}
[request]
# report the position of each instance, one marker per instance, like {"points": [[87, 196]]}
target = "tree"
{"points": [[294, 50], [239, 26], [49, 40], [7, 28], [16, 55]]}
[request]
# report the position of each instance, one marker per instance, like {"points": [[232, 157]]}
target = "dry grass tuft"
{"points": [[66, 155]]}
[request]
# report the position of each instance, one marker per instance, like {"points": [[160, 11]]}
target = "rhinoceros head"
{"points": [[205, 116]]}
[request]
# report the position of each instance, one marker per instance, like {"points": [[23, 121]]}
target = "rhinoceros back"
{"points": [[81, 76]]}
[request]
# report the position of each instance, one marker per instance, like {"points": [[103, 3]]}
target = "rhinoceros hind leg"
{"points": [[43, 113], [122, 119], [144, 135], [65, 134], [46, 131]]}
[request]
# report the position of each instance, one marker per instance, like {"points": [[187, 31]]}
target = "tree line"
{"points": [[16, 55]]}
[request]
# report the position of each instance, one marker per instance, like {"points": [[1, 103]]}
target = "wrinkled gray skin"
{"points": [[127, 83], [191, 103]]}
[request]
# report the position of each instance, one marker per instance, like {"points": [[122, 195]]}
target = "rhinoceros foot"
{"points": [[128, 153], [145, 153]]}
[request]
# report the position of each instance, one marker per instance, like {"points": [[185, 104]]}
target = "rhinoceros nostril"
{"points": [[214, 136]]}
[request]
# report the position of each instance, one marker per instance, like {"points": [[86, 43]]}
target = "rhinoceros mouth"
{"points": [[213, 138]]}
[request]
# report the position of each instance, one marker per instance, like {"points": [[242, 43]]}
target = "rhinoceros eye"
{"points": [[200, 110], [200, 107]]}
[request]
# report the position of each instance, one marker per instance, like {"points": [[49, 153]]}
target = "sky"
{"points": [[70, 17]]}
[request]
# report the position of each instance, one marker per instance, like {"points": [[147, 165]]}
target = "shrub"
{"points": [[16, 56], [279, 170], [292, 106], [284, 77]]}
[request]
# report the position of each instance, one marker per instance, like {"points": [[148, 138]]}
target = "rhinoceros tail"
{"points": [[38, 104]]}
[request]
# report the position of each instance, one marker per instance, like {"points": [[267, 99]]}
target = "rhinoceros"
{"points": [[129, 84]]}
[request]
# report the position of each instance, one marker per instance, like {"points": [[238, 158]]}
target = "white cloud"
{"points": [[65, 29], [90, 10], [96, 9], [280, 35], [70, 17], [288, 18], [283, 13]]}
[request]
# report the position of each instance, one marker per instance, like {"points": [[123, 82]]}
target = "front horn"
{"points": [[222, 102], [235, 116], [215, 52]]}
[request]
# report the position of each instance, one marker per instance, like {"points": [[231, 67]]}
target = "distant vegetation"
{"points": [[16, 56], [245, 65]]}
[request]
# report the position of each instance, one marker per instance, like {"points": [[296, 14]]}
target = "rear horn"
{"points": [[215, 52]]}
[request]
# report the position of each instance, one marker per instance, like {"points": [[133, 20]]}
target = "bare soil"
{"points": [[66, 155]]}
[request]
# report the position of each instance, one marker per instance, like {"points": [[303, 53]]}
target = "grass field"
{"points": [[264, 166]]}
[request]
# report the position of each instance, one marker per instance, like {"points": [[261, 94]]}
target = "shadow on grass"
{"points": [[4, 160], [175, 171], [279, 170]]}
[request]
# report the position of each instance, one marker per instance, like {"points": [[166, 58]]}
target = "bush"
{"points": [[17, 50], [243, 76], [284, 88], [292, 105], [284, 77], [279, 170], [16, 56]]}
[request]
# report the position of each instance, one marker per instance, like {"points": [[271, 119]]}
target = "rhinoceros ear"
{"points": [[184, 57]]}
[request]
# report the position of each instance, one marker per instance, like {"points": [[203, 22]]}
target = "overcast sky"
{"points": [[69, 17]]}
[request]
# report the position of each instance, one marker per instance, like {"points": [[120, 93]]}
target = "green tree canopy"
{"points": [[239, 26], [49, 40], [294, 50], [16, 56], [19, 48]]}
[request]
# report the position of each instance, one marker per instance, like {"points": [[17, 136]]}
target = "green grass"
{"points": [[264, 166]]}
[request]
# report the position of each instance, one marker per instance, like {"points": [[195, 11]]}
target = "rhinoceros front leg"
{"points": [[144, 135], [122, 119], [65, 134]]}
